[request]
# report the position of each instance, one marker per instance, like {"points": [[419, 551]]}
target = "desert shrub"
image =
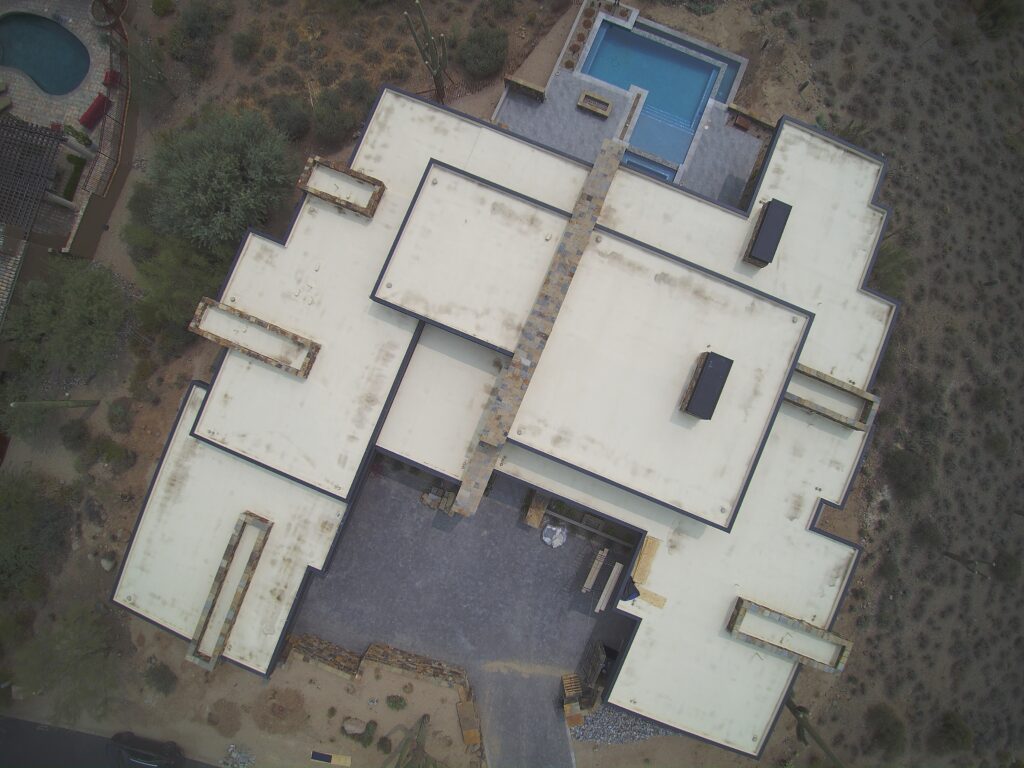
{"points": [[285, 76], [103, 448], [384, 745], [162, 8], [119, 415], [34, 520], [244, 45], [997, 444], [366, 739], [74, 435], [909, 473], [329, 71], [1006, 566], [997, 17], [483, 52], [924, 531], [161, 678], [289, 116], [396, 73], [503, 8], [396, 702], [886, 730], [138, 382], [332, 124], [892, 268], [889, 566], [950, 734], [358, 91], [812, 9], [987, 397], [192, 38]]}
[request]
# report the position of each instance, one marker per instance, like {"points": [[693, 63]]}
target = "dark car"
{"points": [[130, 751]]}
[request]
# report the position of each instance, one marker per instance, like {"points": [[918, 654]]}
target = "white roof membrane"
{"points": [[605, 395], [471, 257]]}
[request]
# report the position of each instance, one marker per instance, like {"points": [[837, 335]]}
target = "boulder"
{"points": [[353, 726]]}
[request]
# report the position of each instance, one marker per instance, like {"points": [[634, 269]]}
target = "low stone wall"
{"points": [[416, 665], [351, 665], [325, 654]]}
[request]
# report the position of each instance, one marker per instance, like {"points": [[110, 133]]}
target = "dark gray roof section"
{"points": [[27, 155], [708, 382], [765, 240]]}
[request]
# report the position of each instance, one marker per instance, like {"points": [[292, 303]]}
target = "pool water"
{"points": [[651, 168], [678, 86], [51, 55]]}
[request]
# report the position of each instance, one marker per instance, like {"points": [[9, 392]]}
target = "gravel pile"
{"points": [[611, 725]]}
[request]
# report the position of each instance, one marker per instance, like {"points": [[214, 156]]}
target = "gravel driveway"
{"points": [[482, 592]]}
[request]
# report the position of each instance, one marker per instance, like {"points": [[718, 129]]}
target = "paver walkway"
{"points": [[515, 375]]}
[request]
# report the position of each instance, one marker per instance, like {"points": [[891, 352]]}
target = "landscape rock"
{"points": [[353, 726]]}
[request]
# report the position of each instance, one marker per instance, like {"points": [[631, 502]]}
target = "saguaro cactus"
{"points": [[434, 53]]}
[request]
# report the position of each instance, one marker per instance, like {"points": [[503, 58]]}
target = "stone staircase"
{"points": [[515, 375]]}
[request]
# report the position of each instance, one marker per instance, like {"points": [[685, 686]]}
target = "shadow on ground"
{"points": [[482, 592]]}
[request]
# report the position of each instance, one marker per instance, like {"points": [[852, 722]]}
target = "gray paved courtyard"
{"points": [[557, 122], [482, 592]]}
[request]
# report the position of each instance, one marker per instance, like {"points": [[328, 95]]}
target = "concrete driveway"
{"points": [[482, 592]]}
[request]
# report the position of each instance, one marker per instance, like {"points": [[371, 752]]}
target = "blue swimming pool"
{"points": [[51, 55], [678, 86]]}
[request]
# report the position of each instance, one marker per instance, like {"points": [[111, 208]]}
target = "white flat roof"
{"points": [[318, 286], [198, 493], [433, 419], [822, 259], [471, 257], [605, 395]]}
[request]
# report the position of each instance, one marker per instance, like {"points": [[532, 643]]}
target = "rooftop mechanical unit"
{"points": [[771, 222], [702, 393]]}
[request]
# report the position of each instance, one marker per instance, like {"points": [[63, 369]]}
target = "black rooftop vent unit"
{"points": [[702, 393], [767, 233]]}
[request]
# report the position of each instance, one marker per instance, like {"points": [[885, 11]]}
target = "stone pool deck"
{"points": [[557, 122], [717, 166]]}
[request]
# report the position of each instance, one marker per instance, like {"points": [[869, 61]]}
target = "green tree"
{"points": [[71, 320], [34, 521], [193, 35], [174, 280], [212, 181], [72, 660]]}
